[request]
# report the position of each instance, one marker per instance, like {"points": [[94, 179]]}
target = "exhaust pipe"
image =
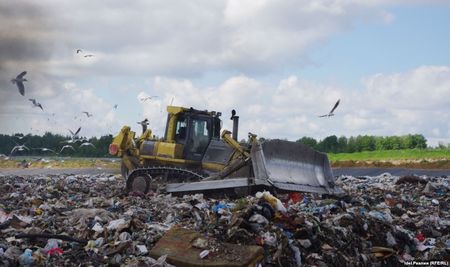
{"points": [[235, 125]]}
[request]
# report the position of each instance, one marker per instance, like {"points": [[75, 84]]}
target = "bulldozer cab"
{"points": [[194, 130]]}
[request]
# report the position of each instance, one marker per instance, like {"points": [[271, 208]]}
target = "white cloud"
{"points": [[174, 38], [416, 101], [382, 107], [175, 44]]}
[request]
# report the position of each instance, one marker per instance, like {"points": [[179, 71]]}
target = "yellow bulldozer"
{"points": [[196, 156]]}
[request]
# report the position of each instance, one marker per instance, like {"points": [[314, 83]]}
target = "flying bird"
{"points": [[87, 114], [332, 110], [115, 106], [19, 82], [143, 99], [89, 55], [35, 103], [79, 51], [71, 141], [74, 138], [20, 137], [44, 149], [19, 148], [87, 144], [144, 122], [76, 133], [67, 147]]}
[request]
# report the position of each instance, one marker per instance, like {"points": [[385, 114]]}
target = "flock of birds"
{"points": [[20, 79], [75, 139], [19, 82]]}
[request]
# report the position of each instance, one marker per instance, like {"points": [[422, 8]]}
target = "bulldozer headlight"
{"points": [[113, 149]]}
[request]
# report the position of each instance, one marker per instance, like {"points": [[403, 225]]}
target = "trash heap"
{"points": [[64, 220]]}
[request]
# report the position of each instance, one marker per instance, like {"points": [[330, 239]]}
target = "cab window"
{"points": [[181, 129], [200, 135]]}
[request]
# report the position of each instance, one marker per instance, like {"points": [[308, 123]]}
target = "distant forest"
{"points": [[329, 144], [360, 143], [54, 142]]}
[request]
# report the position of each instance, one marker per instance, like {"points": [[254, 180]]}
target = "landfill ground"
{"points": [[84, 217]]}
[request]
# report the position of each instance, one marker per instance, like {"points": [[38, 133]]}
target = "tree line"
{"points": [[360, 143], [54, 142], [329, 144]]}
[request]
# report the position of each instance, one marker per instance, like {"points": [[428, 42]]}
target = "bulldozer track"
{"points": [[166, 173]]}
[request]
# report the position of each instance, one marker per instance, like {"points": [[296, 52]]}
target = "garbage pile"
{"points": [[64, 220]]}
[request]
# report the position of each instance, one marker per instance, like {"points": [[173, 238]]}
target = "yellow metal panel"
{"points": [[170, 160], [169, 150], [124, 141], [226, 136], [147, 135], [175, 109], [171, 125], [213, 166]]}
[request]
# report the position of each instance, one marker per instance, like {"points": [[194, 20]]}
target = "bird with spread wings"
{"points": [[19, 82], [332, 110]]}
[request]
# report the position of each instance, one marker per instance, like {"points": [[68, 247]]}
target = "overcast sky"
{"points": [[280, 64]]}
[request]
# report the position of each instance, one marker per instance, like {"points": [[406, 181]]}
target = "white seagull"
{"points": [[44, 149], [67, 147], [19, 148], [87, 144], [20, 137]]}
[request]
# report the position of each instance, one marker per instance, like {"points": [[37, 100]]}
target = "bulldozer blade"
{"points": [[292, 166]]}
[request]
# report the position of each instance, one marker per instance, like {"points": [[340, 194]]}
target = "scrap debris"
{"points": [[88, 220]]}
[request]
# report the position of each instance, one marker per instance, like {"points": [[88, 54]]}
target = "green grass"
{"points": [[406, 154]]}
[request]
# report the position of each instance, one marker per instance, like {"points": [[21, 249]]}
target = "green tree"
{"points": [[329, 144], [380, 143], [367, 143], [419, 141], [407, 141], [342, 144], [309, 141], [351, 145]]}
